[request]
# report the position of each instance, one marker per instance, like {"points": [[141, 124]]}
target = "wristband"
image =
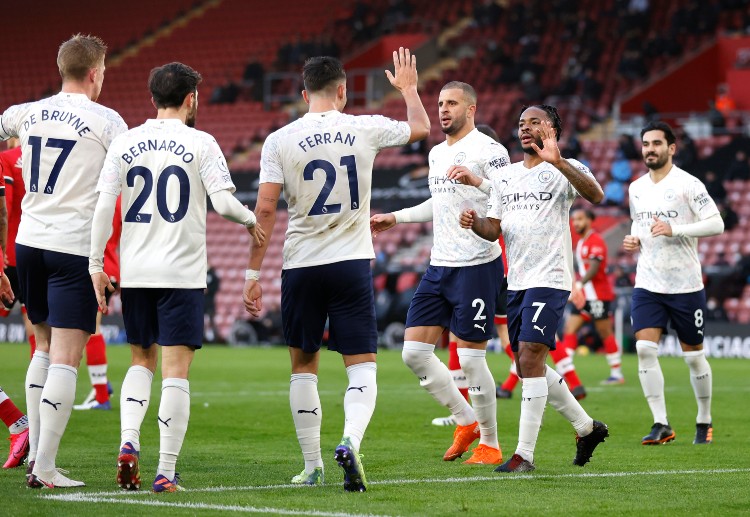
{"points": [[251, 274], [579, 284]]}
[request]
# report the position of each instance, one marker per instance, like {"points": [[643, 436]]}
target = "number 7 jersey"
{"points": [[324, 161], [164, 170], [64, 140]]}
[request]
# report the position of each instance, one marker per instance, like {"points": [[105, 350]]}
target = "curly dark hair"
{"points": [[552, 113]]}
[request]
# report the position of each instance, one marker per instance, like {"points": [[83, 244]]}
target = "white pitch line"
{"points": [[411, 481], [83, 497]]}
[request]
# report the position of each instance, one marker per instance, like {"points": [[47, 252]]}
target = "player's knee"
{"points": [[416, 354], [697, 362], [647, 353]]}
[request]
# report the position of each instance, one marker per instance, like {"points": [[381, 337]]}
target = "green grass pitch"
{"points": [[241, 451]]}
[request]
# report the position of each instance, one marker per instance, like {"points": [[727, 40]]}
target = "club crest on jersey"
{"points": [[545, 176], [459, 159], [670, 195]]}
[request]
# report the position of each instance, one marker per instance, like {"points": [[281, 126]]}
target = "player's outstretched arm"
{"points": [[415, 214], [586, 185], [231, 209], [405, 80], [265, 213], [487, 228]]}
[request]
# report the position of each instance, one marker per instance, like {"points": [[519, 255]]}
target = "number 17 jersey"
{"points": [[64, 139], [164, 170], [324, 162]]}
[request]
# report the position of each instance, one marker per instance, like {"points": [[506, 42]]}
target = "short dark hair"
{"points": [[487, 130], [590, 215], [658, 125], [468, 90], [318, 73], [552, 113], [171, 83]]}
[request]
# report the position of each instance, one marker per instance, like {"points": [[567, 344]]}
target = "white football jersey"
{"points": [[533, 206], [669, 265], [454, 246], [164, 170], [324, 161], [64, 140]]}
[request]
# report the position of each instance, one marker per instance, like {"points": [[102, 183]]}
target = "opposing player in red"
{"points": [[591, 259], [10, 169], [96, 348]]}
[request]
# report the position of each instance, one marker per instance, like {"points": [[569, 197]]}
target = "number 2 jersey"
{"points": [[324, 162], [164, 170], [64, 140]]}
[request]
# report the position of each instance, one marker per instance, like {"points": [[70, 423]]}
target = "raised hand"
{"points": [[381, 222], [405, 70], [550, 152]]}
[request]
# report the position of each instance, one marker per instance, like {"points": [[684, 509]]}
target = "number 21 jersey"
{"points": [[164, 169], [324, 161]]}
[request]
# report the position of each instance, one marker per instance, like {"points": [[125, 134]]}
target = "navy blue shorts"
{"points": [[341, 293], [594, 310], [686, 311], [534, 315], [57, 288], [461, 299], [163, 316]]}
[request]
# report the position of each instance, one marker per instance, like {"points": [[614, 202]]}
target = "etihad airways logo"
{"points": [[526, 196], [662, 214]]}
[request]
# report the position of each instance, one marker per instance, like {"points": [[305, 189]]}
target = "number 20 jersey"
{"points": [[64, 140], [164, 170], [324, 161]]}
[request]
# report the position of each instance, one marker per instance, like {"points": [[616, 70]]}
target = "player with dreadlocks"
{"points": [[532, 199]]}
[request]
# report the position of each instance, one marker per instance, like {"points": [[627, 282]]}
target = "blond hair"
{"points": [[80, 54]]}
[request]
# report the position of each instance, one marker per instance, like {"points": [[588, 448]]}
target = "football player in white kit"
{"points": [[532, 200], [64, 139], [324, 163], [164, 170], [459, 290], [670, 210]]}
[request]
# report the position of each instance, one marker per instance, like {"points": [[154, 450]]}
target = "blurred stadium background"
{"points": [[608, 65]]}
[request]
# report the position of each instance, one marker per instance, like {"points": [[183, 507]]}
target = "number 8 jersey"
{"points": [[324, 161], [64, 139], [164, 170]]}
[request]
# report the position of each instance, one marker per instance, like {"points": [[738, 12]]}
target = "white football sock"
{"points": [[174, 413], [652, 379], [307, 415], [436, 379], [533, 400], [19, 425], [135, 396], [58, 397], [563, 401], [700, 378], [359, 400], [482, 393], [36, 376]]}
